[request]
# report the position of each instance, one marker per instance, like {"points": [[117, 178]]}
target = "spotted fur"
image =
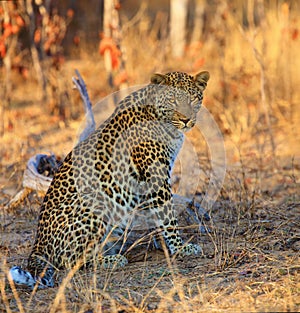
{"points": [[120, 170]]}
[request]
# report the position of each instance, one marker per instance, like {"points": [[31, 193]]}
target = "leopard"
{"points": [[109, 180]]}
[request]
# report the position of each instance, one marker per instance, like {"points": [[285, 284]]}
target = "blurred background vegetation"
{"points": [[250, 47]]}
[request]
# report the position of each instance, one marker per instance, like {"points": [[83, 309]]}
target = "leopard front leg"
{"points": [[154, 189], [168, 223], [172, 237]]}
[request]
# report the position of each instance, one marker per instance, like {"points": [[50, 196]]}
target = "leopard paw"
{"points": [[190, 249], [113, 261]]}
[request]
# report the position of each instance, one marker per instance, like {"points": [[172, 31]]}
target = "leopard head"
{"points": [[178, 97]]}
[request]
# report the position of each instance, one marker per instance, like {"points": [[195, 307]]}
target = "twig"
{"points": [[37, 64]]}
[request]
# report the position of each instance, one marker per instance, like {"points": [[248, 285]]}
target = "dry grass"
{"points": [[251, 258]]}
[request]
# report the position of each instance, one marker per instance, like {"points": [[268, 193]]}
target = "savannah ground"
{"points": [[251, 260]]}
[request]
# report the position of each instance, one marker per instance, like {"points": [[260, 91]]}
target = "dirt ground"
{"points": [[251, 251]]}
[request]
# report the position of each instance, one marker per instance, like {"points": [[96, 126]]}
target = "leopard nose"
{"points": [[188, 122], [185, 121]]}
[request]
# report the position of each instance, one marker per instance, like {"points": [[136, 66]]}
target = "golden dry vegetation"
{"points": [[251, 261]]}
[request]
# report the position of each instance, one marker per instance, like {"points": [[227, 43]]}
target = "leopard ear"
{"points": [[201, 80], [158, 79]]}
